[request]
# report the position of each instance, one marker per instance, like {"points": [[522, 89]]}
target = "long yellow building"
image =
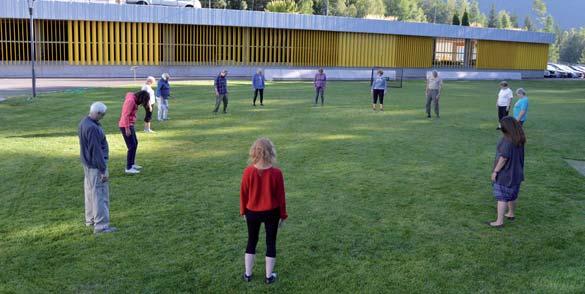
{"points": [[111, 37]]}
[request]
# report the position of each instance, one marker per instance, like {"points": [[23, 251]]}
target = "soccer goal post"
{"points": [[394, 76]]}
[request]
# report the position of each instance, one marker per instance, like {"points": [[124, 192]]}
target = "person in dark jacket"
{"points": [[163, 92], [258, 85], [508, 172], [94, 154], [221, 91]]}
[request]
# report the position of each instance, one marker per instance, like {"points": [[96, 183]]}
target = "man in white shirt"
{"points": [[148, 117], [433, 92], [504, 101]]}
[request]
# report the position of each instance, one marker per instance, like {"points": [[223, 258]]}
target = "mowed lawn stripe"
{"points": [[378, 201]]}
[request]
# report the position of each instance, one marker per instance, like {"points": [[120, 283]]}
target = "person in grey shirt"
{"points": [[379, 89], [433, 92], [94, 154]]}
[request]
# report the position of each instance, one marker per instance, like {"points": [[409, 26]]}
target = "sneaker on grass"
{"points": [[136, 166], [271, 279], [132, 171]]}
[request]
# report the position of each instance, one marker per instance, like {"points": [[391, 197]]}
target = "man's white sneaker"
{"points": [[132, 171], [136, 166]]}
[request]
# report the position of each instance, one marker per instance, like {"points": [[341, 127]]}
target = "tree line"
{"points": [[569, 45]]}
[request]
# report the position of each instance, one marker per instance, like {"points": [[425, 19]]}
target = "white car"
{"points": [[551, 72], [572, 73], [176, 3]]}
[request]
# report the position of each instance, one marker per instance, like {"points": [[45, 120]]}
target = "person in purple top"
{"points": [[320, 83], [508, 172], [258, 84]]}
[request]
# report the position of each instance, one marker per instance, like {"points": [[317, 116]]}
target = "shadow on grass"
{"points": [[45, 135]]}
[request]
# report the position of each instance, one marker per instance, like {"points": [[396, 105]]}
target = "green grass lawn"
{"points": [[378, 202]]}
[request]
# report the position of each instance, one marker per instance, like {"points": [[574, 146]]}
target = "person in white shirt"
{"points": [[149, 108], [504, 101], [433, 89]]}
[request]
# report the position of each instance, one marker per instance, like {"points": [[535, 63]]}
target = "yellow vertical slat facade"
{"points": [[121, 43], [71, 41], [511, 55], [112, 43], [105, 45]]}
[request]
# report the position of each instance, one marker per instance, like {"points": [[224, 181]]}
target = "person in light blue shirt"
{"points": [[379, 89], [521, 106], [258, 83]]}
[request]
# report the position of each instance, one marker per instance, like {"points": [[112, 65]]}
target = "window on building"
{"points": [[455, 53]]}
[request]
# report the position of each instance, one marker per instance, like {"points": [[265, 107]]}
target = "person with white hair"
{"points": [[521, 106], [163, 92], [433, 92], [94, 154], [149, 107]]}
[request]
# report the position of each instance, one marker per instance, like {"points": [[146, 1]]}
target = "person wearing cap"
{"points": [[94, 155], [221, 91], [504, 101], [148, 108]]}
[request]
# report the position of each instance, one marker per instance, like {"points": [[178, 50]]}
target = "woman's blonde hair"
{"points": [[262, 149]]}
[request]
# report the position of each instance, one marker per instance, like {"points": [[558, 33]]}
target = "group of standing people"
{"points": [[94, 149], [504, 103], [508, 167], [262, 189]]}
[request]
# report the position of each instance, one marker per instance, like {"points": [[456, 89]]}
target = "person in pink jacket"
{"points": [[126, 124]]}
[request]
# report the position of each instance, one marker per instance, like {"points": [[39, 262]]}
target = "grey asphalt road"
{"points": [[22, 87]]}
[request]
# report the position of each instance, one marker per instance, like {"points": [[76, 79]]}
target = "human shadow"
{"points": [[45, 135]]}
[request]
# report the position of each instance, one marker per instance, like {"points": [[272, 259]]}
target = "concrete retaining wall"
{"points": [[272, 72]]}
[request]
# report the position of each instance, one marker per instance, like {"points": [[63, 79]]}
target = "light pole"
{"points": [[32, 47]]}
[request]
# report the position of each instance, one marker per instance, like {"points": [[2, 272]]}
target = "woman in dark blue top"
{"points": [[508, 171], [163, 92]]}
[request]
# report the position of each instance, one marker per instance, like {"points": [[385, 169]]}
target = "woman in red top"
{"points": [[126, 124], [262, 201]]}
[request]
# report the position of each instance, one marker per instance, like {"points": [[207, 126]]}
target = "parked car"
{"points": [[551, 72], [177, 3], [578, 69], [572, 73], [581, 67], [564, 73]]}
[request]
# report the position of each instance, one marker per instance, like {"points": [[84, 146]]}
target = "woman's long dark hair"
{"points": [[142, 98], [512, 129]]}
